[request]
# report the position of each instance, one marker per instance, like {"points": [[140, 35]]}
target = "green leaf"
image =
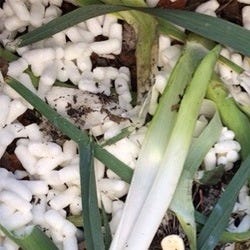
{"points": [[91, 215], [183, 193], [212, 177], [219, 217], [210, 27], [106, 229], [231, 115], [33, 238], [213, 28], [226, 237], [71, 130]]}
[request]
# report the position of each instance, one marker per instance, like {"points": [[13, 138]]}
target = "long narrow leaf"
{"points": [[204, 25], [226, 237], [183, 193], [213, 28], [91, 215], [219, 217], [157, 138], [231, 115], [33, 239], [171, 165], [71, 130]]}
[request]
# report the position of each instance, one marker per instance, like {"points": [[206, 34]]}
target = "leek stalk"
{"points": [[171, 165], [157, 138]]}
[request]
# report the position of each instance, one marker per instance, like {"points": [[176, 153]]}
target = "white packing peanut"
{"points": [[108, 21], [114, 222], [84, 63], [111, 73], [94, 26], [44, 149], [46, 164], [5, 105], [17, 129], [115, 31], [227, 135], [124, 100], [18, 188], [59, 55], [232, 156], [88, 85], [33, 132], [24, 156], [20, 9], [38, 212], [210, 159], [76, 206], [70, 148], [37, 11], [106, 47], [17, 67], [6, 211], [52, 12], [60, 39], [113, 188], [164, 42], [70, 243], [51, 194], [15, 201], [245, 17], [13, 23], [208, 8], [222, 160], [99, 73], [117, 205], [160, 82], [64, 199], [22, 141], [237, 58], [38, 68], [48, 76], [37, 187], [37, 56], [16, 109], [73, 72], [121, 86], [56, 2], [74, 35], [7, 9], [52, 178], [20, 174], [112, 175], [75, 50], [7, 136], [52, 216], [99, 169], [68, 229], [170, 55], [244, 224], [152, 3], [69, 173], [228, 166], [106, 202], [62, 74], [225, 146]]}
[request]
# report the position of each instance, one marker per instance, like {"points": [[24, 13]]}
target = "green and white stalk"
{"points": [[157, 138], [171, 165], [198, 149]]}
